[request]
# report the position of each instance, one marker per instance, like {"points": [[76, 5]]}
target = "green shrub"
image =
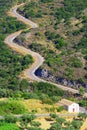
{"points": [[10, 119], [76, 32], [27, 118], [75, 62], [82, 43], [85, 76], [85, 57], [69, 72], [11, 107], [76, 124], [83, 103], [46, 99], [34, 128], [47, 89], [35, 123], [61, 108], [46, 1], [84, 51], [60, 43], [8, 126], [53, 115]]}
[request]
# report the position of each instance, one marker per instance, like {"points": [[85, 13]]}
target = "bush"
{"points": [[76, 32], [60, 43], [27, 118], [55, 126], [47, 89], [46, 99], [85, 76], [35, 123], [76, 124], [83, 103], [84, 51], [8, 126], [75, 62], [69, 72], [34, 128], [85, 57], [46, 1], [56, 98], [10, 119], [82, 43], [61, 108], [11, 107], [53, 115]]}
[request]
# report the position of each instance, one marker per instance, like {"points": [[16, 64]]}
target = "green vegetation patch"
{"points": [[63, 28], [11, 64], [9, 126], [71, 9], [11, 107], [48, 89], [75, 62]]}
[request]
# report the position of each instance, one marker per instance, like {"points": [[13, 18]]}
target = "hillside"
{"points": [[11, 63], [60, 38], [27, 103]]}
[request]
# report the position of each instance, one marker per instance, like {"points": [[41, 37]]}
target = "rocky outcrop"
{"points": [[45, 74]]}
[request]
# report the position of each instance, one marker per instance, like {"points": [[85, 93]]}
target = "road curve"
{"points": [[30, 72]]}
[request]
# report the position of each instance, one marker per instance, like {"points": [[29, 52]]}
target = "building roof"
{"points": [[66, 102]]}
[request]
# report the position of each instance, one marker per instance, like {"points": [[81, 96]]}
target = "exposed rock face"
{"points": [[45, 74], [19, 42], [42, 73]]}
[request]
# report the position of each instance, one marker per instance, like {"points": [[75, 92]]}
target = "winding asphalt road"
{"points": [[38, 59]]}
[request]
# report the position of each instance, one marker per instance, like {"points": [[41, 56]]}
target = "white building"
{"points": [[70, 106]]}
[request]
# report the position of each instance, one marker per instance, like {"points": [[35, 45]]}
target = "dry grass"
{"points": [[34, 104], [74, 21], [44, 123], [2, 99], [37, 105], [84, 127]]}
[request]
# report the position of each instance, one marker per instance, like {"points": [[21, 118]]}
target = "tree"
{"points": [[9, 126], [69, 128], [27, 60], [35, 123], [82, 90], [60, 120], [24, 84], [82, 116], [67, 123], [53, 115], [56, 126], [34, 128], [27, 118], [60, 108], [76, 124], [60, 43], [10, 119]]}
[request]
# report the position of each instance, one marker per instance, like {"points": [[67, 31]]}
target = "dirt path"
{"points": [[38, 59]]}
